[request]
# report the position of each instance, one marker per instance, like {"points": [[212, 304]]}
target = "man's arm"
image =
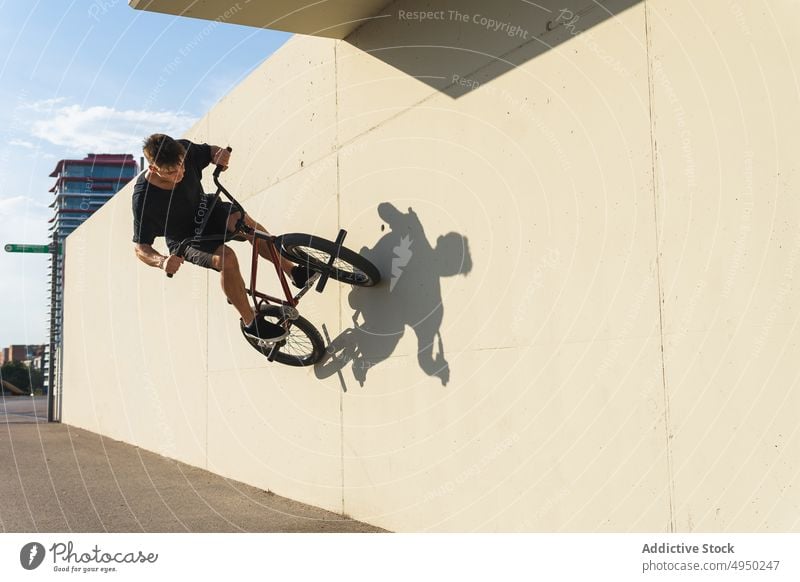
{"points": [[151, 257]]}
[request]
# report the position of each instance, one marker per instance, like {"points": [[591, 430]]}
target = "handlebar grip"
{"points": [[179, 253], [218, 169]]}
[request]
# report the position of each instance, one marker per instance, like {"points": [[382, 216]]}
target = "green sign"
{"points": [[29, 249]]}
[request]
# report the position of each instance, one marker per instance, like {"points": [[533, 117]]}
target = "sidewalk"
{"points": [[57, 478]]}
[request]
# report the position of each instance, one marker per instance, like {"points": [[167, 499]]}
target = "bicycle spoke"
{"points": [[297, 343], [323, 257]]}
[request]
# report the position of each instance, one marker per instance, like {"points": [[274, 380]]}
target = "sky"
{"points": [[79, 77]]}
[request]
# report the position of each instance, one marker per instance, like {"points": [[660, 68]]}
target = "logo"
{"points": [[402, 255], [31, 556]]}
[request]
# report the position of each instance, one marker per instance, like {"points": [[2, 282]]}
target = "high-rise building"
{"points": [[82, 186]]}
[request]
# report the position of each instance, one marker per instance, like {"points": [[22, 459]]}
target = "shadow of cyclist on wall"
{"points": [[412, 298]]}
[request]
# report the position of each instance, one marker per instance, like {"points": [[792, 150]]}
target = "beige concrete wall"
{"points": [[604, 344], [727, 136]]}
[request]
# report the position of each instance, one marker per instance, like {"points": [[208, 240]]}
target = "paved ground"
{"points": [[56, 478], [22, 409]]}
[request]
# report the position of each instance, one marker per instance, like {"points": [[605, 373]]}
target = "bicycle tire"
{"points": [[303, 338], [313, 252]]}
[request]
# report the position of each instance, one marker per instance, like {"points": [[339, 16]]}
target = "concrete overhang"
{"points": [[329, 18]]}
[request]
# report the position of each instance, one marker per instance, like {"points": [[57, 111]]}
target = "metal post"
{"points": [[51, 376]]}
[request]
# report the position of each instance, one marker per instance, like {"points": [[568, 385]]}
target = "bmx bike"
{"points": [[324, 259]]}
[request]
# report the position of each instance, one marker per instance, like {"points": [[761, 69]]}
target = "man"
{"points": [[168, 201]]}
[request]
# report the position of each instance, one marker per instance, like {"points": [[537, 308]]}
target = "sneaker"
{"points": [[300, 276], [263, 330]]}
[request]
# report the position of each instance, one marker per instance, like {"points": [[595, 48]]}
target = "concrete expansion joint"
{"points": [[658, 274]]}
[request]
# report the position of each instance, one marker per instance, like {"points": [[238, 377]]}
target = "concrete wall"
{"points": [[591, 319]]}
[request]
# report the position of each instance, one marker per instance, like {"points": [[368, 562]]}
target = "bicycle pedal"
{"points": [[311, 280]]}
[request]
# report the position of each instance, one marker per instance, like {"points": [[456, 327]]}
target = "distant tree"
{"points": [[37, 379], [17, 374]]}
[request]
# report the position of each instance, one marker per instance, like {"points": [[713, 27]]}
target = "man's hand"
{"points": [[171, 264], [149, 256], [220, 157]]}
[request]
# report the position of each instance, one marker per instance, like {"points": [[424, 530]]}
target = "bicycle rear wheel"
{"points": [[303, 347], [315, 253]]}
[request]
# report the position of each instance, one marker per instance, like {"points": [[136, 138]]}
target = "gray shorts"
{"points": [[202, 252]]}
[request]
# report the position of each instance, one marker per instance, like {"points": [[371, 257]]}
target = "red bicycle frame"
{"points": [[275, 257]]}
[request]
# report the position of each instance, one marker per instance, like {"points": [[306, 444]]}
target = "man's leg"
{"points": [[224, 260]]}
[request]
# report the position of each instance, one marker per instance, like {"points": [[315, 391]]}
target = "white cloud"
{"points": [[22, 144], [44, 105], [10, 206], [21, 208], [99, 129]]}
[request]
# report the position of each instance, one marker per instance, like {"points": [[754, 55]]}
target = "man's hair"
{"points": [[161, 150]]}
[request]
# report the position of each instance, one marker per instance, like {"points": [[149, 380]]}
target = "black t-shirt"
{"points": [[171, 213]]}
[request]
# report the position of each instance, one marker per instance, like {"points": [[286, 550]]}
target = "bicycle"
{"points": [[304, 345]]}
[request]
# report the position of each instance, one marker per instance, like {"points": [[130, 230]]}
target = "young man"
{"points": [[168, 201]]}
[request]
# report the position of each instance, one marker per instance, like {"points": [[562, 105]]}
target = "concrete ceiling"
{"points": [[329, 18]]}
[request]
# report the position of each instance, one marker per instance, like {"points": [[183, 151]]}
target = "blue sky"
{"points": [[79, 77]]}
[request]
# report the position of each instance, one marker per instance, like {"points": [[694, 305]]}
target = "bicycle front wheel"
{"points": [[315, 253], [303, 347]]}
